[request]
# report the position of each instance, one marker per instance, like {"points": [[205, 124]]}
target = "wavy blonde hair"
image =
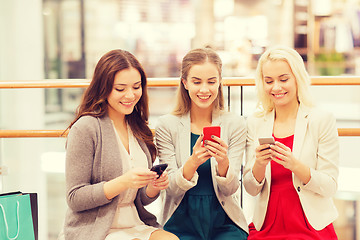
{"points": [[196, 57], [296, 63]]}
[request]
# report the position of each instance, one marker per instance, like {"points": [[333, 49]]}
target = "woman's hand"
{"points": [[158, 184], [218, 149], [262, 159], [200, 154], [262, 155], [138, 177], [283, 155], [134, 178]]}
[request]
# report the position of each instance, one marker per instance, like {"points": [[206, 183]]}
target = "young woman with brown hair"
{"points": [[109, 152]]}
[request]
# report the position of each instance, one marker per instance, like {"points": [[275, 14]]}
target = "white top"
{"points": [[127, 224]]}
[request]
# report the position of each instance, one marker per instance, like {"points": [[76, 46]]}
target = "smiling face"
{"points": [[280, 83], [126, 92], [202, 83]]}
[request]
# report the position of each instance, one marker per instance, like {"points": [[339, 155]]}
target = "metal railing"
{"points": [[158, 82]]}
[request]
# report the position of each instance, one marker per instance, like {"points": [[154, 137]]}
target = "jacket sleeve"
{"points": [[178, 185], [229, 184], [324, 177], [145, 199], [252, 186], [80, 149]]}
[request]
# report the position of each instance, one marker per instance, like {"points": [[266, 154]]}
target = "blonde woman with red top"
{"points": [[296, 178]]}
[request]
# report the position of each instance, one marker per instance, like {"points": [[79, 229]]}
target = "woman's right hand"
{"points": [[262, 158], [262, 155], [134, 178], [138, 177], [200, 154]]}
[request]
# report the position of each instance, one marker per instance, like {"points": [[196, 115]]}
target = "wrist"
{"points": [[224, 163], [151, 192], [223, 168], [260, 166], [189, 169], [192, 164]]}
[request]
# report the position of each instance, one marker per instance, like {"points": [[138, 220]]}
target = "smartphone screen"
{"points": [[209, 131], [266, 140], [159, 169]]}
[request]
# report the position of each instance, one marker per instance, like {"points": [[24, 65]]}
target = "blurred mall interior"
{"points": [[63, 39]]}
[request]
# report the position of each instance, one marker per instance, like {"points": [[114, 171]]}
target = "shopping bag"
{"points": [[34, 208], [16, 218]]}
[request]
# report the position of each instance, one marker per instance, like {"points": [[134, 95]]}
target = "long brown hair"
{"points": [[94, 102], [194, 57]]}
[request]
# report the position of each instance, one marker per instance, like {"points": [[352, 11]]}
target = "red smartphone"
{"points": [[209, 131]]}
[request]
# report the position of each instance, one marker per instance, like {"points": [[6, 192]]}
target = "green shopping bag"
{"points": [[16, 221]]}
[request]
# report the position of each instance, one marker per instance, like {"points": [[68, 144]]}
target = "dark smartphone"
{"points": [[159, 169], [266, 140], [209, 131]]}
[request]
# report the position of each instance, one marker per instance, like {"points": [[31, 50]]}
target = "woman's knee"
{"points": [[163, 235]]}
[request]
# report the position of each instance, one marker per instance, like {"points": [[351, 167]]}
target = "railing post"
{"points": [[229, 94], [241, 100]]}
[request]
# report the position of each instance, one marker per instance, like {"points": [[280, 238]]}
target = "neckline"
{"points": [[290, 136], [119, 139]]}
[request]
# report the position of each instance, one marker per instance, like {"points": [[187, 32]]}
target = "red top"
{"points": [[285, 218]]}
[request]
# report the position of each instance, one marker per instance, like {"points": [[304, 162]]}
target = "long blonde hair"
{"points": [[296, 63], [195, 57]]}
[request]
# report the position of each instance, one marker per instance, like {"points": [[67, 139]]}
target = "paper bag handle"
{"points": [[6, 224]]}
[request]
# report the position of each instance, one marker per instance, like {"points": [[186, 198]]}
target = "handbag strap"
{"points": [[6, 224]]}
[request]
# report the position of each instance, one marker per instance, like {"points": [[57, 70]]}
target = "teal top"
{"points": [[200, 215], [204, 185]]}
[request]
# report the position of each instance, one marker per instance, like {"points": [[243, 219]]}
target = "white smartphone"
{"points": [[266, 140]]}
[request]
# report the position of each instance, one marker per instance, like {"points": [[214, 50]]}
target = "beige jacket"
{"points": [[173, 135], [316, 145]]}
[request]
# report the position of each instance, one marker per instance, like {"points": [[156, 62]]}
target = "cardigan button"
{"points": [[298, 188]]}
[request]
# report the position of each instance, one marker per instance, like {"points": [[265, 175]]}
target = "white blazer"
{"points": [[316, 145], [173, 136]]}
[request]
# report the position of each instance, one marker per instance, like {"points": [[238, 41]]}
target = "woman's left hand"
{"points": [[217, 149], [160, 183], [283, 155]]}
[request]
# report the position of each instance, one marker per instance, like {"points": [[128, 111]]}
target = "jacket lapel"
{"points": [[268, 126], [111, 165], [184, 130], [300, 130]]}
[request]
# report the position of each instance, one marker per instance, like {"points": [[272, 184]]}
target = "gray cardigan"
{"points": [[173, 143], [92, 158]]}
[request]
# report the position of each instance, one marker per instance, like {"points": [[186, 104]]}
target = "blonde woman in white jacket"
{"points": [[296, 177]]}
